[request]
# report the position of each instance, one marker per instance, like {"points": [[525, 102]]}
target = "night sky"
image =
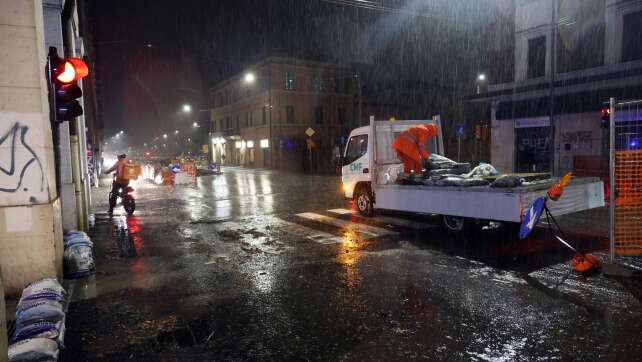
{"points": [[154, 56]]}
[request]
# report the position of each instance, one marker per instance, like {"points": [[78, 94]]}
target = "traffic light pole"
{"points": [[55, 127]]}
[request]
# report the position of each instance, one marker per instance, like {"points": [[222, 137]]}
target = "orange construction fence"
{"points": [[628, 202]]}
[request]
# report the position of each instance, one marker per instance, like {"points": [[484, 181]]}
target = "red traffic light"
{"points": [[606, 112], [71, 69]]}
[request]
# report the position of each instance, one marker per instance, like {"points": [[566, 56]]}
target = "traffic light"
{"points": [[64, 74], [606, 117]]}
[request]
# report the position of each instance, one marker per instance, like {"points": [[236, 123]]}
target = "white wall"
{"points": [[30, 226], [582, 132], [502, 145]]}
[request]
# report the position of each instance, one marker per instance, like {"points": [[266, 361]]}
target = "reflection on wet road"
{"points": [[265, 265]]}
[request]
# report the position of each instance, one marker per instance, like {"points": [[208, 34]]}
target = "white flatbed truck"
{"points": [[369, 156]]}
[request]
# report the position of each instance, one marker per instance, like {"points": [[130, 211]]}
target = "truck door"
{"points": [[356, 166]]}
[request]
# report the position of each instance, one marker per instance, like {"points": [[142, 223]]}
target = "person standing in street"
{"points": [[119, 182]]}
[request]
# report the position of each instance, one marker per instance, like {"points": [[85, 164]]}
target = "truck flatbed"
{"points": [[485, 202]]}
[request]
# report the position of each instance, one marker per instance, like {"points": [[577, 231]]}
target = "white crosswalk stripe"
{"points": [[368, 230], [301, 231], [411, 224]]}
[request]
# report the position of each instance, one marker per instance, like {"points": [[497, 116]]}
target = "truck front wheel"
{"points": [[363, 199], [457, 224]]}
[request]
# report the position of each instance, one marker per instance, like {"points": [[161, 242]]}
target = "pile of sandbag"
{"points": [[439, 165], [40, 322], [78, 256]]}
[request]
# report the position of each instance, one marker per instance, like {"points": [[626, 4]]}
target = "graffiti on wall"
{"points": [[581, 139], [17, 160]]}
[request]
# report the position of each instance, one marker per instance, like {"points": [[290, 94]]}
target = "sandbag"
{"points": [[35, 349], [78, 261], [476, 181], [78, 258], [41, 329], [30, 312], [484, 169], [507, 181], [450, 181], [46, 285]]}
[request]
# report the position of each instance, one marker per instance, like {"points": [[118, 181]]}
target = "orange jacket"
{"points": [[413, 142], [119, 168]]}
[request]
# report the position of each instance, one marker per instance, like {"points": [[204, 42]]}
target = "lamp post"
{"points": [[480, 81]]}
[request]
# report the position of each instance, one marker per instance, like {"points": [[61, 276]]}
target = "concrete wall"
{"points": [[502, 147], [30, 226], [583, 135]]}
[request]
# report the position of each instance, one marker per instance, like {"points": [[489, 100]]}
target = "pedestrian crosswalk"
{"points": [[372, 231], [396, 221], [307, 225]]}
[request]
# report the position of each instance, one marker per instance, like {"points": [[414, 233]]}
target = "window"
{"points": [[289, 81], [214, 126], [357, 147], [631, 34], [247, 119], [341, 115], [318, 115], [318, 83], [228, 123], [536, 57], [289, 114], [221, 127], [237, 124], [264, 115], [580, 35]]}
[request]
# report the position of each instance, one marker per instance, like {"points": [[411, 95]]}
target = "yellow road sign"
{"points": [[310, 132]]}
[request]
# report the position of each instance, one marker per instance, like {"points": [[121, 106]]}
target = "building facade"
{"points": [[259, 118], [570, 57]]}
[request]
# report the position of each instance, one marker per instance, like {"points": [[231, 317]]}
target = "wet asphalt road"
{"points": [[259, 265]]}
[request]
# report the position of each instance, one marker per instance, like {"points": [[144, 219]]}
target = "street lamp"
{"points": [[121, 132], [187, 108], [249, 78], [195, 125], [176, 132], [164, 135], [481, 80]]}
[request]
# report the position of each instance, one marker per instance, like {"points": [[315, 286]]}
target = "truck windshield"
{"points": [[357, 147]]}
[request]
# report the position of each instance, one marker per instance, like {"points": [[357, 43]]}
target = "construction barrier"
{"points": [[628, 202], [625, 133]]}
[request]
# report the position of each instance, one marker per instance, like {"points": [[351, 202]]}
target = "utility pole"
{"points": [[270, 143]]}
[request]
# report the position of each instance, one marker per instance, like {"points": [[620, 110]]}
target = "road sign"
{"points": [[310, 132], [206, 148], [461, 130], [531, 217]]}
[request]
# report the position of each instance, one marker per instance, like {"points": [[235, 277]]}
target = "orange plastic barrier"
{"points": [[628, 202]]}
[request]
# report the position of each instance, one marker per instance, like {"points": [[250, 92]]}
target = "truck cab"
{"points": [[356, 161], [357, 171]]}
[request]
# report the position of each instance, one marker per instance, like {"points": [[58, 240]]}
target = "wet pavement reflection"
{"points": [[254, 264]]}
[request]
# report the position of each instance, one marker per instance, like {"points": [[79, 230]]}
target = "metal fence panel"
{"points": [[626, 205]]}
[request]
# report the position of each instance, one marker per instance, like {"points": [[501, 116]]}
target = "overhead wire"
{"points": [[371, 5]]}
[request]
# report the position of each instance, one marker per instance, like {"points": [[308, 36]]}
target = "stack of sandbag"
{"points": [[483, 170], [78, 256], [455, 180], [40, 322], [439, 165]]}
